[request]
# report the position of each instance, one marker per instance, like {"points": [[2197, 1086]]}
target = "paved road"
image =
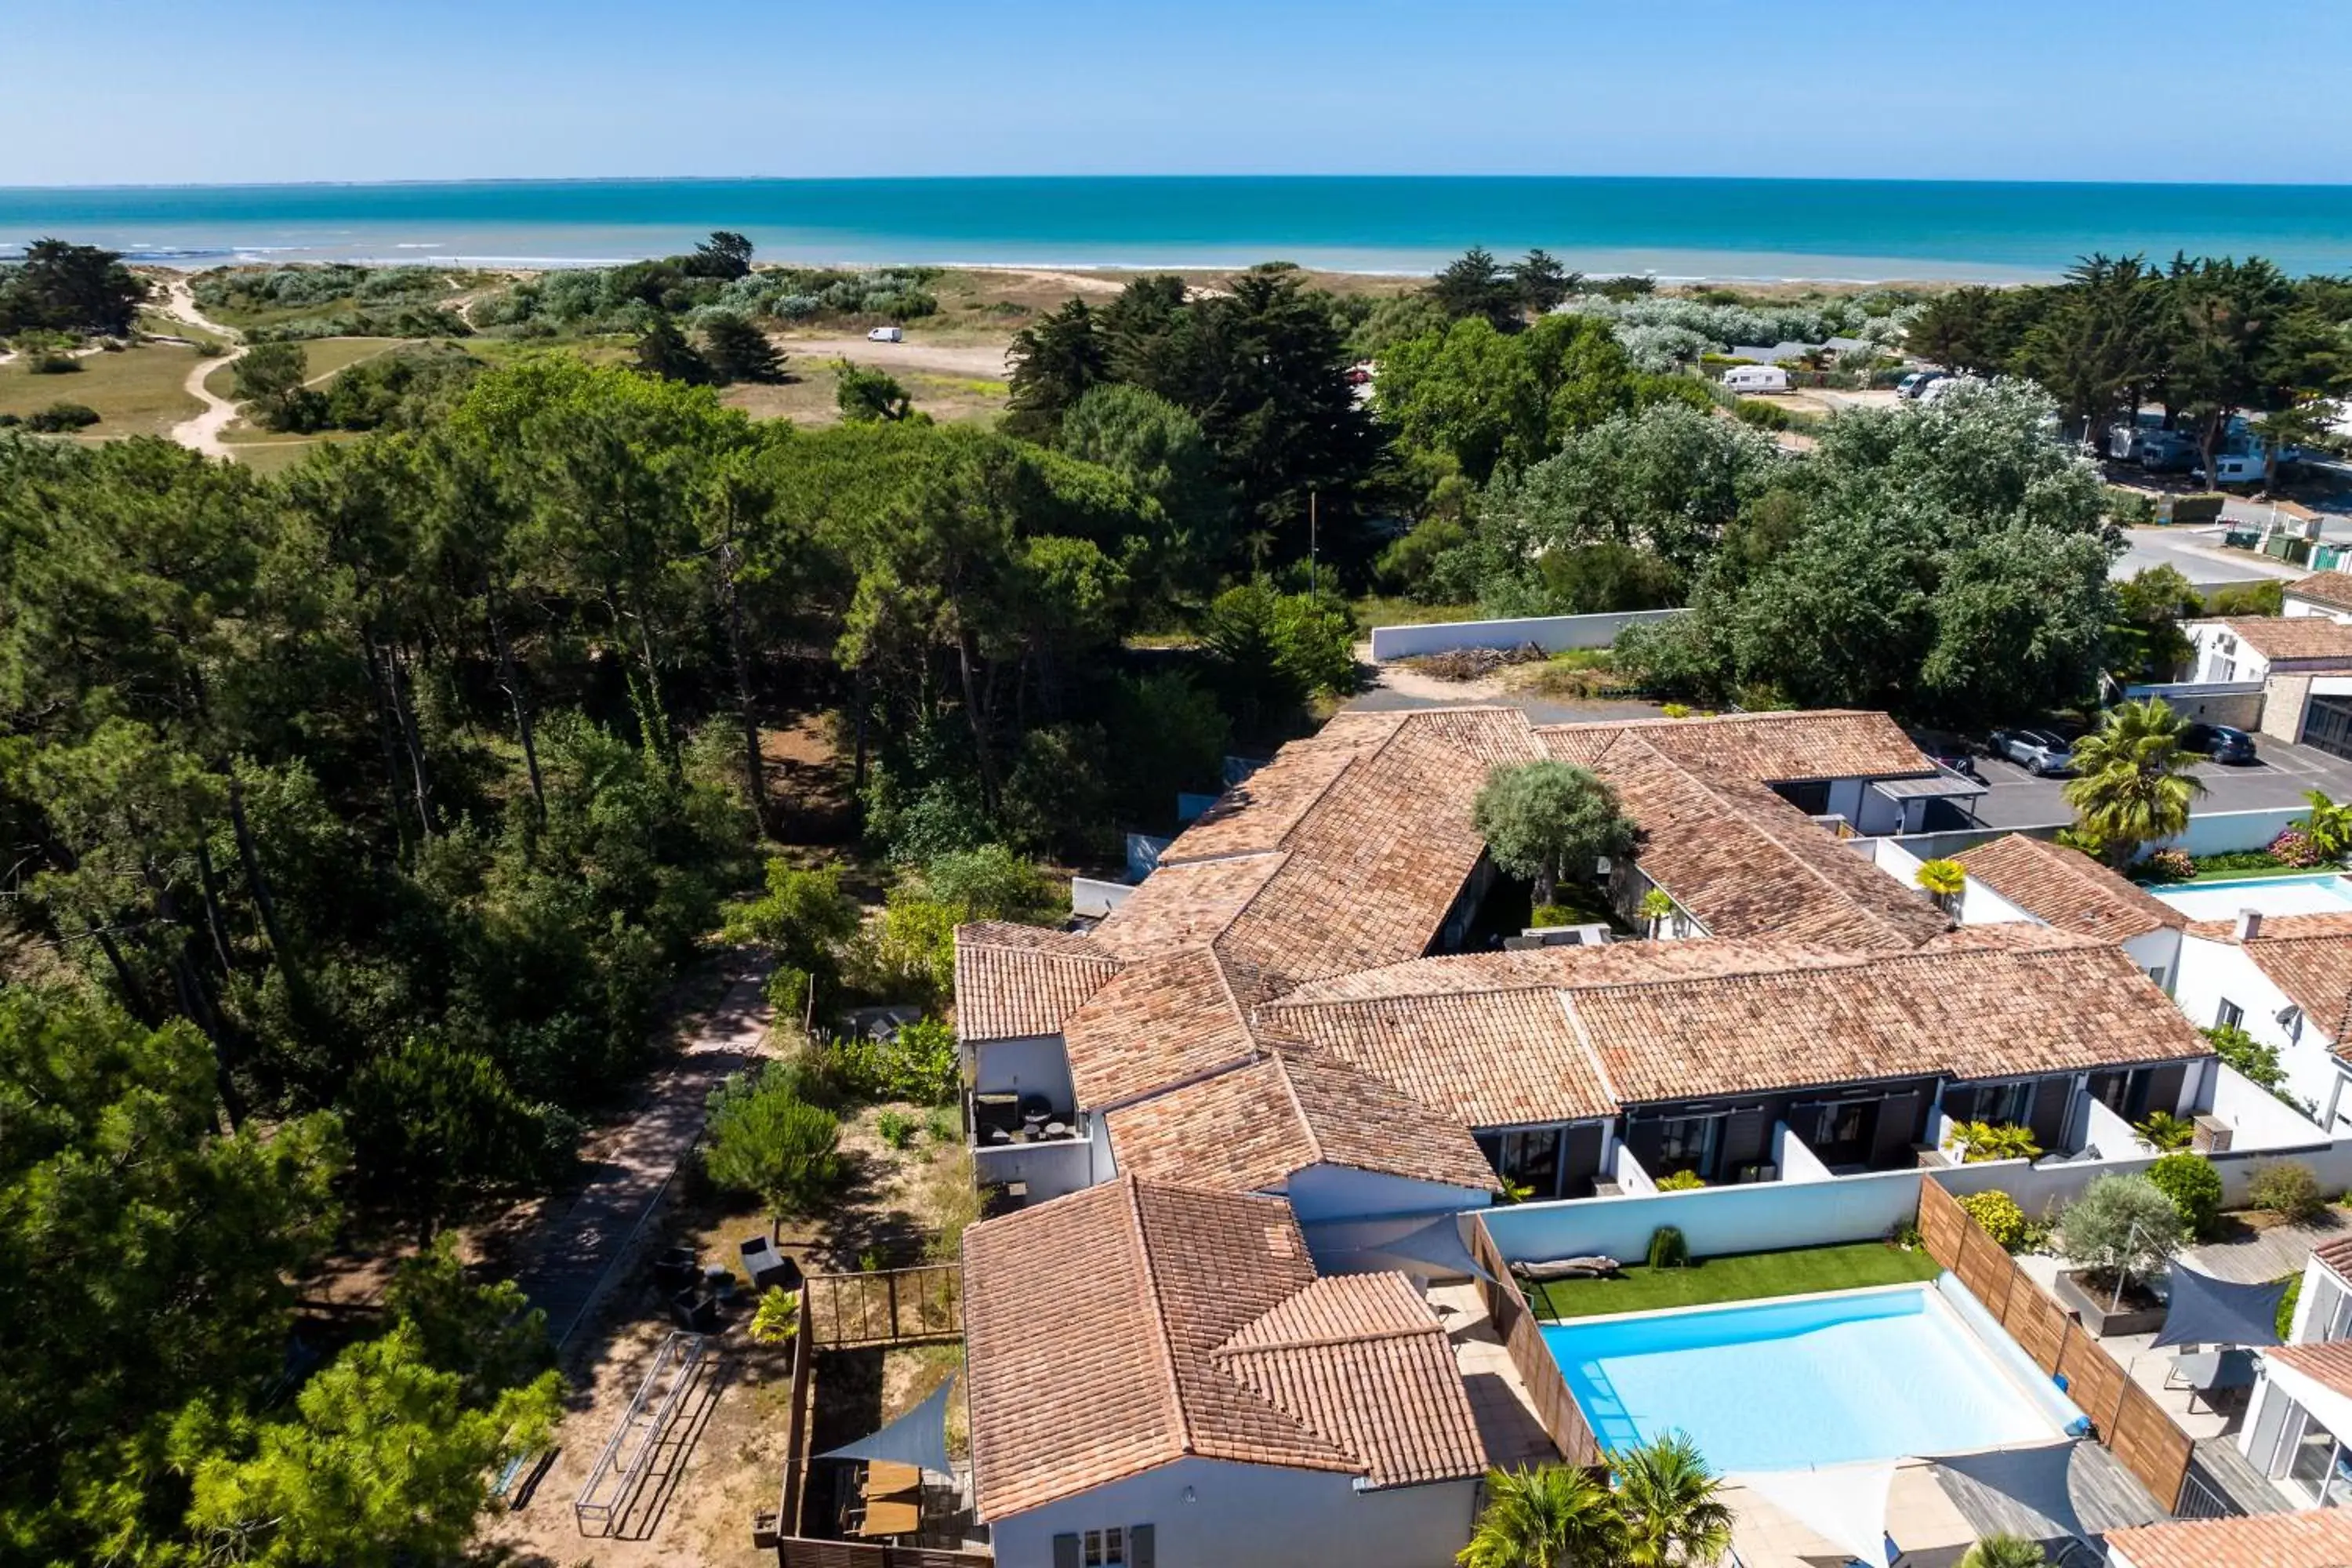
{"points": [[2017, 799], [565, 1261]]}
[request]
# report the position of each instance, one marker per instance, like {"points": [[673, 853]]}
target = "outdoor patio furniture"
{"points": [[677, 1269], [1593, 1267], [694, 1312], [769, 1268], [2208, 1373], [888, 1517], [1058, 1130], [888, 1478]]}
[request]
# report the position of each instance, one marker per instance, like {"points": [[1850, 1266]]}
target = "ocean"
{"points": [[1676, 228]]}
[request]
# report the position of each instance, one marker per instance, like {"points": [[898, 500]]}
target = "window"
{"points": [[2006, 1104], [2228, 1015], [1107, 1548], [1689, 1143]]}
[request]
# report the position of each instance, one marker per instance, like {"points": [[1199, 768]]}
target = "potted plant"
{"points": [[2120, 1230]]}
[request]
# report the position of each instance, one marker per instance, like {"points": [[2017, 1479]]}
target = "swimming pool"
{"points": [[1816, 1380], [2322, 894]]}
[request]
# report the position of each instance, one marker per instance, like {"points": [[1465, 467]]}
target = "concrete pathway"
{"points": [[577, 1242]]}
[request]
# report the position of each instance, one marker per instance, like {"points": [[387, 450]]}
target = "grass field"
{"points": [[139, 392], [1742, 1277], [808, 397], [325, 356]]}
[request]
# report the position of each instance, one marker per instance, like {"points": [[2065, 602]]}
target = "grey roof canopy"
{"points": [[1403, 1244], [919, 1437], [2209, 1311]]}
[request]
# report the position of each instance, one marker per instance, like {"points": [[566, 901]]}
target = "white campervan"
{"points": [[887, 335], [1756, 378]]}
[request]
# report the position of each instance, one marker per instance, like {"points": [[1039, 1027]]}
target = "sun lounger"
{"points": [[1589, 1267]]}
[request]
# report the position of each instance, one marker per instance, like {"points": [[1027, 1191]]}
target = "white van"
{"points": [[1756, 378], [887, 335]]}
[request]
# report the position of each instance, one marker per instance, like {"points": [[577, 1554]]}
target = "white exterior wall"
{"points": [[2157, 951], [2293, 604], [2209, 663], [1850, 798], [1037, 1065], [2212, 972], [1206, 1513], [1336, 1192], [1553, 634], [1049, 1169]]}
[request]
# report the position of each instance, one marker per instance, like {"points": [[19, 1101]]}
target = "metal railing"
{"points": [[2199, 1499], [638, 1433]]}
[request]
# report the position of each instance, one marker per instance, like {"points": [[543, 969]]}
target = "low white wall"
{"points": [[1795, 1157], [1093, 896], [2218, 832], [1049, 1169], [1553, 634], [2259, 1119], [2043, 1189], [2110, 1134], [1628, 1171], [1763, 1216]]}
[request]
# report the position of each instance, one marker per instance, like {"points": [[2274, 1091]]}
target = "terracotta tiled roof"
{"points": [[1254, 1127], [1143, 1285], [1016, 981], [2293, 638], [1963, 1014], [2309, 957], [1761, 748], [1564, 968], [2321, 1537], [2327, 1362], [2333, 589], [1161, 1023], [1360, 1359], [2066, 890], [2336, 1255], [1502, 1059], [1745, 863], [1186, 904]]}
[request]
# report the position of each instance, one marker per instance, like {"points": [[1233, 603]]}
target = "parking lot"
{"points": [[2017, 799]]}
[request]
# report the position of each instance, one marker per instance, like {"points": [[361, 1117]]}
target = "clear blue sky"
{"points": [[134, 92]]}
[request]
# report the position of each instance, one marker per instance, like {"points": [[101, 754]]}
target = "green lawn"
{"points": [[1743, 1277], [2250, 876]]}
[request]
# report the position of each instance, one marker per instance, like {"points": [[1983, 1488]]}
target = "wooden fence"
{"points": [[886, 1307], [1555, 1406], [2126, 1417], [803, 1412]]}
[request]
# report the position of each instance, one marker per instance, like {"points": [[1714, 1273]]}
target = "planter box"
{"points": [[2090, 1305]]}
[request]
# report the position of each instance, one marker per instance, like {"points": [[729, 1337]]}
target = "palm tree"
{"points": [[2132, 782], [1658, 907], [1668, 1507], [1942, 880], [1555, 1516], [2005, 1551]]}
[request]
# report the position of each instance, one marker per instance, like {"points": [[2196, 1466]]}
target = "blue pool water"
{"points": [[2324, 894], [1818, 1380]]}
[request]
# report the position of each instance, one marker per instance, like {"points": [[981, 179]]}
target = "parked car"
{"points": [[1946, 751], [1917, 382], [2222, 742], [887, 335], [2038, 751]]}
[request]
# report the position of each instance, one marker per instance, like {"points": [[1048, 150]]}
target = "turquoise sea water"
{"points": [[1675, 227]]}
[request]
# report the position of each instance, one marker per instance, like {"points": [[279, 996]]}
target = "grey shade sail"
{"points": [[919, 1437], [2204, 1311], [1404, 1244]]}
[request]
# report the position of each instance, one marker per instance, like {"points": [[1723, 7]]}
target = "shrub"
{"points": [[2295, 847], [1668, 1249], [1998, 1216], [2168, 866], [918, 1063], [2246, 1056], [1982, 1140], [1676, 710], [61, 417], [944, 1125], [1681, 1181], [2165, 1132], [1762, 414], [765, 1140], [2287, 1303], [897, 1128], [777, 1318], [2121, 1225], [1550, 915], [2193, 1185], [2288, 1189], [2005, 1551]]}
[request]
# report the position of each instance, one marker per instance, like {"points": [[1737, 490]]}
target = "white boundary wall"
{"points": [[1553, 634]]}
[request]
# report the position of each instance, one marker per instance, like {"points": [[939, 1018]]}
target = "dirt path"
{"points": [[940, 359], [201, 432], [570, 1246]]}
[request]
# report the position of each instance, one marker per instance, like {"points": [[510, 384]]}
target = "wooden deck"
{"points": [[2066, 1491], [2258, 1257], [2219, 1466]]}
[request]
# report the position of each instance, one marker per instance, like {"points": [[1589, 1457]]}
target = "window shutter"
{"points": [[1142, 1552], [1065, 1552]]}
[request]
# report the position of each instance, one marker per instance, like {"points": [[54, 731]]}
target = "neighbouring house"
{"points": [[2303, 663], [2316, 1537], [2327, 594], [2287, 980], [2303, 1397], [2014, 877], [1155, 1368]]}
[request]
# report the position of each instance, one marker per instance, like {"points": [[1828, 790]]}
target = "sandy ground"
{"points": [[202, 433], [985, 361]]}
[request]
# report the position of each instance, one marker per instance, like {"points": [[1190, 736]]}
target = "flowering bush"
{"points": [[2168, 866], [2295, 847]]}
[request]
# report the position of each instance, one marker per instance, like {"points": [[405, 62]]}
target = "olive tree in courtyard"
{"points": [[1546, 820]]}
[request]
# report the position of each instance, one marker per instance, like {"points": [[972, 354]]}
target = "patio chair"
{"points": [[2209, 1373]]}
